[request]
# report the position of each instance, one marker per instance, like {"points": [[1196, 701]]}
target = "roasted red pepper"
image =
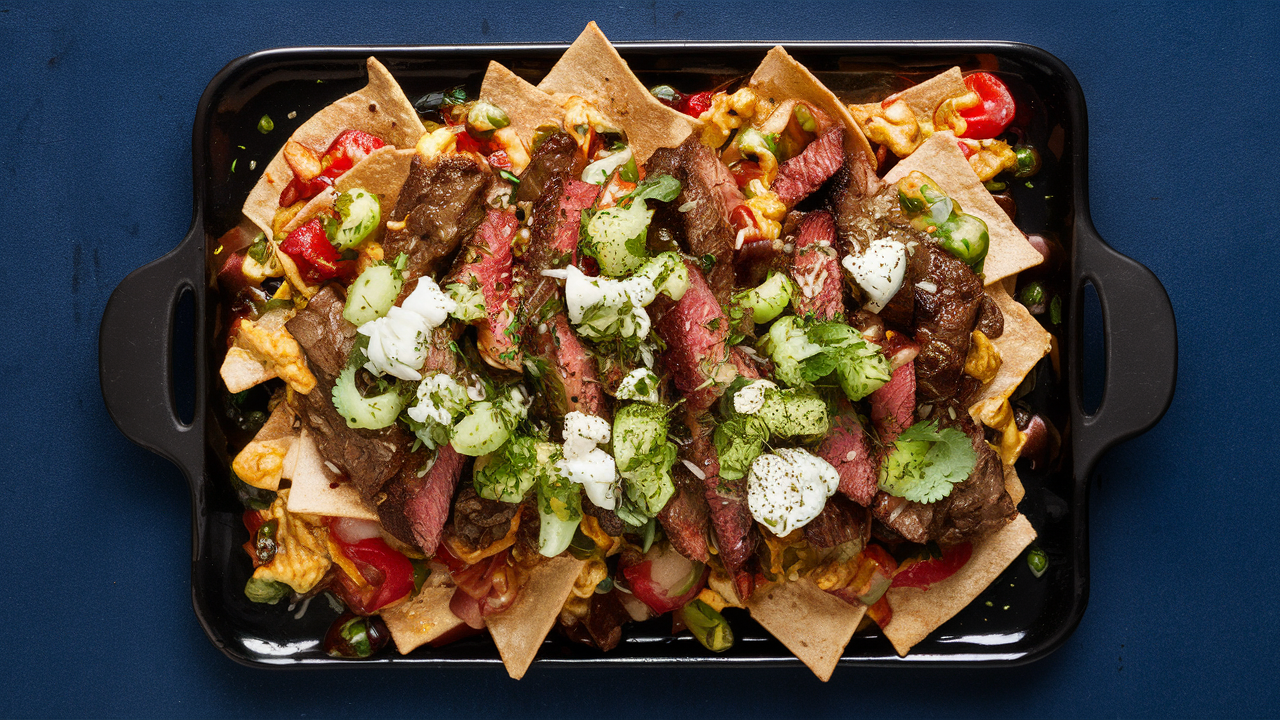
{"points": [[387, 574], [923, 573], [309, 248], [349, 148], [996, 111], [696, 104]]}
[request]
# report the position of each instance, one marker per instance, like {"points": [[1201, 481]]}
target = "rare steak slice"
{"points": [[485, 264], [816, 269], [441, 204], [731, 519], [565, 370], [946, 308], [803, 174], [557, 156], [416, 508], [845, 448], [684, 518], [696, 332]]}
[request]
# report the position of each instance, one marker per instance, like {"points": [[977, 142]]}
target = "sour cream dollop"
{"points": [[440, 397], [879, 271], [788, 488], [400, 340], [750, 399], [629, 388], [587, 464]]}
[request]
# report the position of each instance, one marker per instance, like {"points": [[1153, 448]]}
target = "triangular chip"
{"points": [[940, 158], [241, 370], [261, 462], [593, 70], [520, 630], [380, 109], [781, 78], [316, 486], [1013, 485], [422, 619], [924, 98], [1021, 346], [916, 613], [382, 173], [527, 106], [814, 625]]}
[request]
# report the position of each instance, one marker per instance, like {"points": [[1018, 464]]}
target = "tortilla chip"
{"points": [[241, 370], [527, 106], [924, 98], [316, 489], [392, 119], [940, 158], [261, 462], [520, 630], [916, 613], [421, 619], [382, 173], [1013, 485], [593, 70], [1021, 346], [780, 77], [814, 625]]}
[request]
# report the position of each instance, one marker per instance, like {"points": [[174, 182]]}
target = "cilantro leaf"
{"points": [[662, 188], [926, 463]]}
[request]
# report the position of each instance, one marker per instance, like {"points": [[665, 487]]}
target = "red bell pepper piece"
{"points": [[990, 118], [881, 611], [309, 248], [744, 171], [466, 143], [388, 575], [696, 104], [923, 573], [349, 148]]}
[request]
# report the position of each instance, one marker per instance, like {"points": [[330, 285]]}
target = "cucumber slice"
{"points": [[372, 294], [371, 413], [616, 238], [639, 429], [769, 299], [361, 212], [794, 412], [482, 431]]}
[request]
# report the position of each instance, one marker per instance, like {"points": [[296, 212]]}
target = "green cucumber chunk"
{"points": [[481, 431], [790, 412], [372, 294], [769, 299], [616, 238], [370, 413], [361, 212]]}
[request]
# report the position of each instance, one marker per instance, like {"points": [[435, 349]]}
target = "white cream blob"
{"points": [[879, 271], [400, 340], [587, 464], [750, 399], [440, 398], [788, 488], [640, 384]]}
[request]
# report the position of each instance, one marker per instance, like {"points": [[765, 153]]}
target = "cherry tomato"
{"points": [[696, 104], [309, 248], [989, 119]]}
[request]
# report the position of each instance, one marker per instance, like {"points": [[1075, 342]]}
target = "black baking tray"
{"points": [[1019, 618]]}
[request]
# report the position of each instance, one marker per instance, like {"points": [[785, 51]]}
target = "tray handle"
{"points": [[135, 353], [1141, 349]]}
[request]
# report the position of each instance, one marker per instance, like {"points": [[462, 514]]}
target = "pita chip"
{"points": [[940, 158], [421, 619], [916, 613], [520, 630], [382, 173], [593, 70], [923, 98], [527, 106], [780, 77], [1021, 345], [316, 487], [241, 370], [261, 462], [1013, 485], [380, 109], [814, 625]]}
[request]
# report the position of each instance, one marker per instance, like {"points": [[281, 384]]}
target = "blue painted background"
{"points": [[96, 105]]}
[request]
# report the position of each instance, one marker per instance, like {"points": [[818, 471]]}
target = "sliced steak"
{"points": [[558, 155], [845, 448], [696, 332], [554, 229], [816, 269], [840, 522], [565, 370], [974, 509], [803, 174], [726, 505], [485, 263], [857, 201], [367, 457], [708, 195], [684, 518], [442, 202], [893, 405], [944, 318], [416, 508]]}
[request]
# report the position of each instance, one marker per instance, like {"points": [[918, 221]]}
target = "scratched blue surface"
{"points": [[95, 126]]}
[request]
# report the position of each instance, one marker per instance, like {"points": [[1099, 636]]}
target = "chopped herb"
{"points": [[266, 124], [1055, 310], [1038, 561]]}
